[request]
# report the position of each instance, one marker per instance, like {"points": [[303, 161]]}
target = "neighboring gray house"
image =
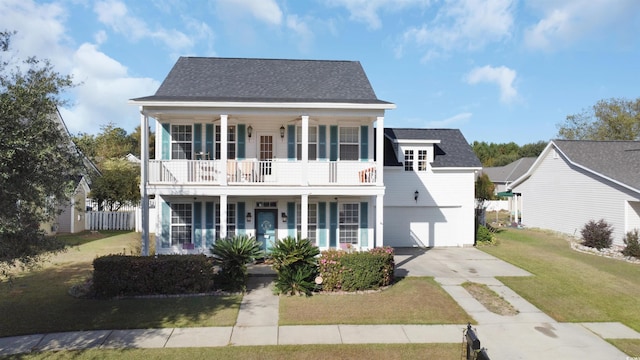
{"points": [[502, 176], [574, 181]]}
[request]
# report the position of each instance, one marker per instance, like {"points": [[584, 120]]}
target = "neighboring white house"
{"points": [[575, 181], [274, 148]]}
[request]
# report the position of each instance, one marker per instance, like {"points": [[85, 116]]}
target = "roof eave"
{"points": [[268, 105]]}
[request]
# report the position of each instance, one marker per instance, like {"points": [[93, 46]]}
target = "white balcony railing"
{"points": [[250, 172]]}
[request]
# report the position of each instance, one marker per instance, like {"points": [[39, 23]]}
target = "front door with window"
{"points": [[266, 221]]}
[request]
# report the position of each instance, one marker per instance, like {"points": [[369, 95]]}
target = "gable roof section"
{"points": [[265, 80], [452, 151], [617, 161], [509, 172]]}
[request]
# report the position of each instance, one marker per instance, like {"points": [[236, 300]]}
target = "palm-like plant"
{"points": [[296, 264], [234, 254]]}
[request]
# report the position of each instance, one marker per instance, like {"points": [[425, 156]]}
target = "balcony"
{"points": [[254, 172]]}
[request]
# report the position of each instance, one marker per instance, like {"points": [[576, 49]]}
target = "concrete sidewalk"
{"points": [[530, 334]]}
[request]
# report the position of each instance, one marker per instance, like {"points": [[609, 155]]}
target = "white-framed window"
{"points": [[408, 160], [348, 223], [231, 219], [422, 160], [182, 142], [181, 223], [312, 222], [313, 142], [349, 143], [231, 141]]}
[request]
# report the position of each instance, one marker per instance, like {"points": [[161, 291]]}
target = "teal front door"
{"points": [[266, 227]]}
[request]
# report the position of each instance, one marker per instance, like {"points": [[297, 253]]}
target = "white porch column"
{"points": [[304, 216], [379, 221], [379, 150], [223, 216], [223, 152], [144, 179], [305, 151]]}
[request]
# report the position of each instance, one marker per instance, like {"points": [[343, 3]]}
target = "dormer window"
{"points": [[408, 160], [412, 163], [422, 160]]}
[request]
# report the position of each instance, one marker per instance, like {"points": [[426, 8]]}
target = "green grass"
{"points": [[568, 285], [39, 302], [316, 352], [412, 300]]}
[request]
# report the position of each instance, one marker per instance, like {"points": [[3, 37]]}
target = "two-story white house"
{"points": [[274, 148]]}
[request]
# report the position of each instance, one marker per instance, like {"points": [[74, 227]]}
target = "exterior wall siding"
{"points": [[562, 197]]}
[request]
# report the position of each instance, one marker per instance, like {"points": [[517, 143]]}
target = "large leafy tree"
{"points": [[118, 184], [612, 119], [38, 162], [492, 154]]}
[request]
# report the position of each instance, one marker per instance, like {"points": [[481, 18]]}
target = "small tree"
{"points": [[632, 242], [118, 184], [483, 192], [597, 234]]}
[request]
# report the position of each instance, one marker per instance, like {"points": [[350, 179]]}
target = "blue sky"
{"points": [[499, 70]]}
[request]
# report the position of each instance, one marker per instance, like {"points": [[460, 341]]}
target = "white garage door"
{"points": [[423, 227]]}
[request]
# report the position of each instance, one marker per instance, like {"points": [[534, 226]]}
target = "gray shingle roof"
{"points": [[618, 160], [452, 151], [265, 80], [509, 172]]}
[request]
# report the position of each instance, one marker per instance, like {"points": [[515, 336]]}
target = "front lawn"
{"points": [[568, 285], [39, 302], [412, 300]]}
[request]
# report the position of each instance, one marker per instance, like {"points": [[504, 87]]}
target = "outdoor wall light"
{"points": [[415, 195], [249, 131], [248, 217], [281, 131], [284, 217]]}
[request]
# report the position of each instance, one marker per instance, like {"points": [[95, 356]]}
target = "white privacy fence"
{"points": [[110, 220]]}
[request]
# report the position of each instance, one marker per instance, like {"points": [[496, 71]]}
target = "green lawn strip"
{"points": [[412, 300], [38, 301], [290, 352], [568, 285], [630, 347]]}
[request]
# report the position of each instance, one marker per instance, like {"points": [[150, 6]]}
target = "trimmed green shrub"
{"points": [[121, 275], [632, 242], [353, 271], [296, 265], [597, 234], [233, 255], [484, 236]]}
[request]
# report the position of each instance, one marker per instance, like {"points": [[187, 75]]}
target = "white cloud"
{"points": [[367, 10], [266, 11], [115, 14], [461, 25], [451, 121], [568, 21], [301, 30], [501, 76]]}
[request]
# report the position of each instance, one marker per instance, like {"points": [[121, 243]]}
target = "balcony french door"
{"points": [[265, 153]]}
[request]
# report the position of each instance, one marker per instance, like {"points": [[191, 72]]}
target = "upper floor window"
{"points": [[313, 142], [181, 142], [231, 141], [422, 160], [312, 222], [349, 146], [408, 160]]}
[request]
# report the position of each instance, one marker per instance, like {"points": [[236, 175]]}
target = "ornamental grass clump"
{"points": [[295, 262], [597, 234], [233, 255]]}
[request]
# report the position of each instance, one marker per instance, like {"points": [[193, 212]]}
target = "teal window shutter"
{"points": [[291, 142], [165, 235], [166, 141], [197, 140], [209, 225], [242, 133], [322, 224], [333, 140], [208, 143], [197, 224], [291, 218], [322, 142], [364, 227], [364, 143], [241, 219], [333, 224]]}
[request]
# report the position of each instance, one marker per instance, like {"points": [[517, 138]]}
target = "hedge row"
{"points": [[353, 271], [120, 275]]}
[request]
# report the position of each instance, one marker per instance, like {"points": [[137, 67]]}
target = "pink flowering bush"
{"points": [[353, 271]]}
